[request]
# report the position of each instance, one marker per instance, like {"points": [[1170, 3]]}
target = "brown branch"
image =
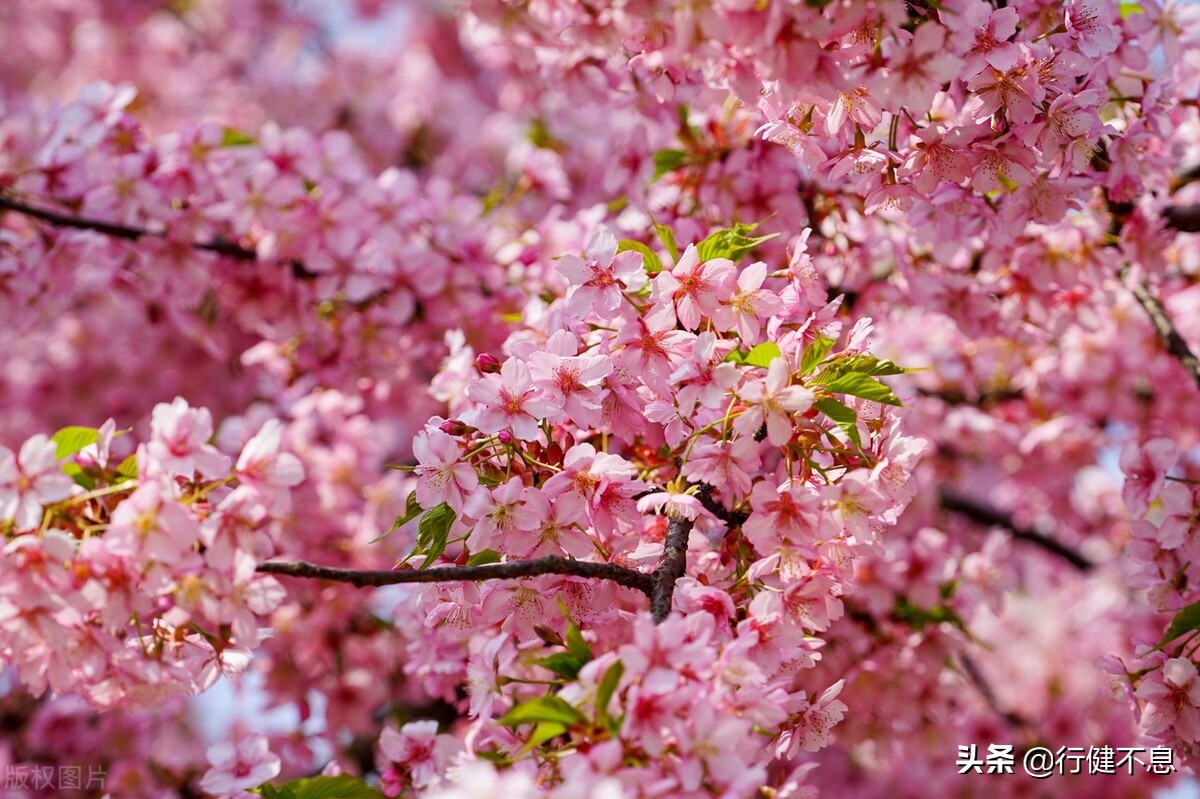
{"points": [[954, 502], [1184, 218], [1168, 336], [218, 245], [981, 684], [127, 232], [627, 577], [732, 518], [1185, 177], [670, 568], [958, 396]]}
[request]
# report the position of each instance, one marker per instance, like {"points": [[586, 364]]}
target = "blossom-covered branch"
{"points": [[622, 575], [955, 502], [1168, 335], [218, 245]]}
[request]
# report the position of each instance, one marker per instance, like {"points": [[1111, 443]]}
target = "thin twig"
{"points": [[976, 677], [1168, 336], [218, 245], [490, 571], [954, 502]]}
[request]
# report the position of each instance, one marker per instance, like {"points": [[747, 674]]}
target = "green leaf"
{"points": [[857, 384], [71, 440], [483, 558], [495, 756], [737, 356], [231, 137], [1128, 9], [576, 645], [920, 618], [763, 354], [842, 416], [1186, 620], [815, 353], [433, 531], [412, 510], [342, 786], [79, 475], [606, 689], [650, 259], [544, 708], [543, 732], [862, 364], [667, 237], [667, 161], [540, 137], [564, 664], [731, 243], [128, 467]]}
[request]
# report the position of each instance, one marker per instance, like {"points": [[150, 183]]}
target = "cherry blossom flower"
{"points": [[818, 718], [749, 304], [235, 766], [179, 442], [695, 288], [267, 470], [1172, 700], [1145, 469], [771, 402], [29, 480], [510, 401], [602, 277], [419, 750], [443, 477]]}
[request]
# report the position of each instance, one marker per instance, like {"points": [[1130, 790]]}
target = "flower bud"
{"points": [[487, 363], [505, 437], [454, 427]]}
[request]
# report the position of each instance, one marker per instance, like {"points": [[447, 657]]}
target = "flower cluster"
{"points": [[717, 395], [131, 579]]}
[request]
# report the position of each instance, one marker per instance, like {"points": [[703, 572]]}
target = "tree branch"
{"points": [[218, 245], [977, 679], [1184, 218], [732, 518], [954, 502], [627, 577], [670, 568], [1168, 336]]}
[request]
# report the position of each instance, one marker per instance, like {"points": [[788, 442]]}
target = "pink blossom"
{"points": [[772, 402], [498, 511], [1172, 700], [1145, 469], [179, 442], [572, 383], [29, 480], [1093, 23], [247, 763], [818, 718], [419, 750], [673, 504], [442, 476], [726, 464], [749, 304], [510, 401], [602, 277], [695, 288], [267, 470]]}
